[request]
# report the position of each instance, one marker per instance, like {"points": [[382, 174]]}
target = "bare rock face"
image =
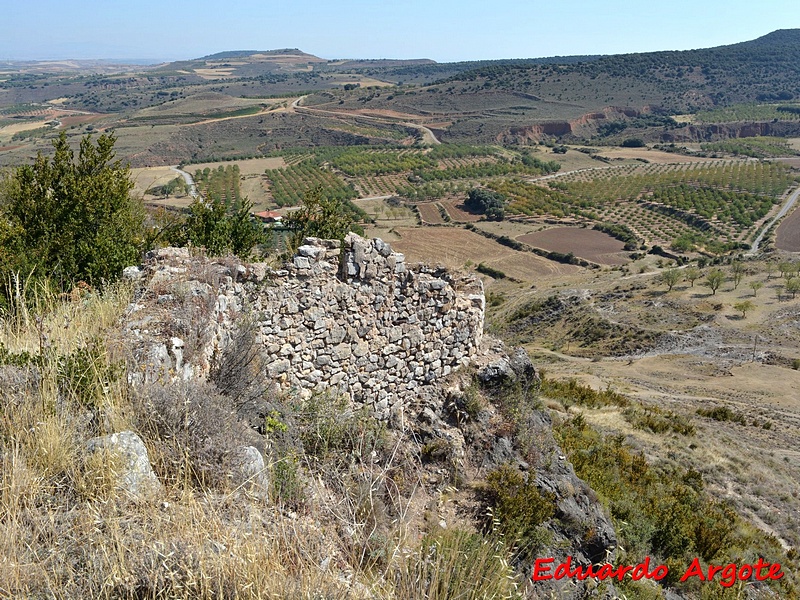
{"points": [[135, 476]]}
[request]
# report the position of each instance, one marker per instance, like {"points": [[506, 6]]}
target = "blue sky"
{"points": [[444, 30]]}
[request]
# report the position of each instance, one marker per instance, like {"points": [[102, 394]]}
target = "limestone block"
{"points": [[360, 349], [301, 262], [342, 351], [279, 366], [134, 475], [313, 252]]}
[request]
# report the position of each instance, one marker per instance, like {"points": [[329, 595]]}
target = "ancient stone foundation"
{"points": [[354, 320]]}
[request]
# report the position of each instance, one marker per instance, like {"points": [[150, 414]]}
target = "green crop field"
{"points": [[755, 147], [703, 202]]}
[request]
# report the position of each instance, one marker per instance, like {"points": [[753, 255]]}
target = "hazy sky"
{"points": [[444, 30]]}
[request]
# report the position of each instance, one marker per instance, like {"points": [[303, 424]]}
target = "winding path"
{"points": [[189, 181], [786, 208], [427, 134]]}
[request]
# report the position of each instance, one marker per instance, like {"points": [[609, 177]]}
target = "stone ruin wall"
{"points": [[354, 320]]}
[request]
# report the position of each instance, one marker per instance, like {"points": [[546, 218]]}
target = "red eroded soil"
{"points": [[79, 119], [588, 244]]}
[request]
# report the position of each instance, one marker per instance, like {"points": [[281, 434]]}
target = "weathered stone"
{"points": [[337, 334], [342, 351], [250, 472], [132, 273], [279, 366], [382, 247], [134, 475], [301, 262], [311, 251], [360, 349]]}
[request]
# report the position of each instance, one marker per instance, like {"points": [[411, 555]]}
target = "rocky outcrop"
{"points": [[584, 126], [723, 131], [580, 527], [353, 320]]}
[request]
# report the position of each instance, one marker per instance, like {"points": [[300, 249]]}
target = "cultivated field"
{"points": [[249, 166], [429, 212], [145, 178], [457, 213], [589, 244], [458, 249], [387, 215], [787, 236]]}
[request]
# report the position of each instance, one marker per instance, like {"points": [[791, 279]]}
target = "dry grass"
{"points": [[146, 177]]}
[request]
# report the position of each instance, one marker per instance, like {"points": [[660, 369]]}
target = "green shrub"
{"points": [[73, 219], [490, 271], [330, 430], [287, 489], [658, 421], [571, 392], [722, 413], [85, 373], [518, 508]]}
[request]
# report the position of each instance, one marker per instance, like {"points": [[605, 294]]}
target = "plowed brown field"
{"points": [[588, 244], [430, 213], [455, 248]]}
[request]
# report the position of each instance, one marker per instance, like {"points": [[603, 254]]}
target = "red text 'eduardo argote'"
{"points": [[543, 570]]}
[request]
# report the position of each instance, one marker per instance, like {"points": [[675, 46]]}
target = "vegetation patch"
{"points": [[723, 413], [754, 147], [662, 512]]}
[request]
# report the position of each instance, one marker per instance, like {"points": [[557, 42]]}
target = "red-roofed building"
{"points": [[269, 216]]}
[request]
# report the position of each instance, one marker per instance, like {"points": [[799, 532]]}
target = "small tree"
{"points": [[713, 280], [786, 269], [793, 286], [769, 267], [670, 277], [755, 286], [319, 217], [220, 227], [692, 274], [737, 273], [743, 307], [71, 218]]}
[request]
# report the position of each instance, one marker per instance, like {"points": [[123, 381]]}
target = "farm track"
{"points": [[188, 179], [427, 135], [791, 238]]}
